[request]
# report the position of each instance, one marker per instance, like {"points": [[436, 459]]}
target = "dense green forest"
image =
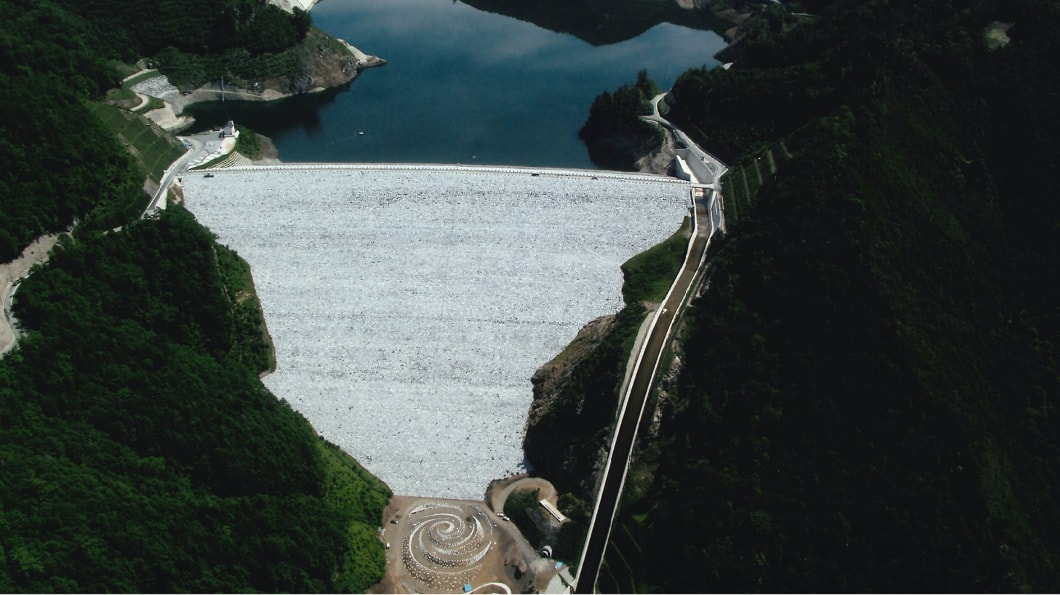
{"points": [[139, 451], [131, 29], [51, 147], [868, 393], [614, 133]]}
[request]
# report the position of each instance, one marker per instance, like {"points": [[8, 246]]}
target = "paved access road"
{"points": [[716, 167], [707, 217]]}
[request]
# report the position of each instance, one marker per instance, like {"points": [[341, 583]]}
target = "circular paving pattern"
{"points": [[445, 544]]}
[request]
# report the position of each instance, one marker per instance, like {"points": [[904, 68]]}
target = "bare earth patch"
{"points": [[10, 273]]}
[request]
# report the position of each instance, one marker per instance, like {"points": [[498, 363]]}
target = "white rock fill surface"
{"points": [[158, 86], [409, 309]]}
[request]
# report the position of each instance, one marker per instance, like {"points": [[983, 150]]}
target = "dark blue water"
{"points": [[464, 86]]}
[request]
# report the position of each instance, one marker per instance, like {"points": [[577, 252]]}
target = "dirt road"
{"points": [[10, 274]]}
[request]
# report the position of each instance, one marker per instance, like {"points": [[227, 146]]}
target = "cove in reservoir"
{"points": [[463, 85]]}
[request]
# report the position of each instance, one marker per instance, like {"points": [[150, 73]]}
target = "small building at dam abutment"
{"points": [[410, 307]]}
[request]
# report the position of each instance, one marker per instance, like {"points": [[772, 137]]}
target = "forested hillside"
{"points": [[51, 148], [614, 133], [868, 397], [130, 29], [139, 451], [60, 53]]}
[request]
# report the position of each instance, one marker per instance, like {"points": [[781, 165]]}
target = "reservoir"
{"points": [[466, 85]]}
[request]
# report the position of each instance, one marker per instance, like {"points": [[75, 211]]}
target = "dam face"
{"points": [[409, 308]]}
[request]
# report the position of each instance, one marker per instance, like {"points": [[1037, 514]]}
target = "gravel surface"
{"points": [[410, 309], [158, 86]]}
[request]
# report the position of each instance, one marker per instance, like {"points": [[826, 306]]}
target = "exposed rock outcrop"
{"points": [[576, 396], [659, 158], [566, 433]]}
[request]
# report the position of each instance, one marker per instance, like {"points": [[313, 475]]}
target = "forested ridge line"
{"points": [[139, 451], [867, 397]]}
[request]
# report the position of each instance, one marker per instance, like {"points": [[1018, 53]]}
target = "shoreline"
{"points": [[213, 91], [342, 67]]}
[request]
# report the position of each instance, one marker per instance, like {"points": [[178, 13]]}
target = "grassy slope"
{"points": [[152, 148], [649, 275]]}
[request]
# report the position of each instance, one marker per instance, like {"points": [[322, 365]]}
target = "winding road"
{"points": [[11, 274]]}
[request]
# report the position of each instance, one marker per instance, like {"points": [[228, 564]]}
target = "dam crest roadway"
{"points": [[457, 167]]}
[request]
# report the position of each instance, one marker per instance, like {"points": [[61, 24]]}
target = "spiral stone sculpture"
{"points": [[446, 543]]}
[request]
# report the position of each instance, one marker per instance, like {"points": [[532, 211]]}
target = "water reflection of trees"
{"points": [[600, 22], [268, 118]]}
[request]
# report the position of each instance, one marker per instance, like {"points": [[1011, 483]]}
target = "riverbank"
{"points": [[325, 71], [325, 62]]}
